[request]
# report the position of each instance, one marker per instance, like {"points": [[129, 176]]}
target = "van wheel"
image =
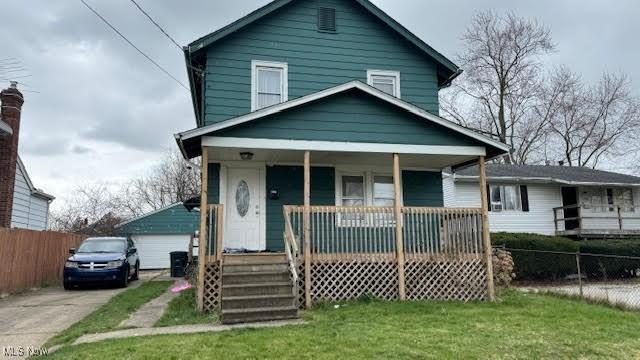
{"points": [[125, 280]]}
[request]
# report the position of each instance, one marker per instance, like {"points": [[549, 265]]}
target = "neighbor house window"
{"points": [[623, 197], [269, 85], [607, 199], [386, 81], [505, 197]]}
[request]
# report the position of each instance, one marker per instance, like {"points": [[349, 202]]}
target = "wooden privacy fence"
{"points": [[354, 251], [33, 258]]}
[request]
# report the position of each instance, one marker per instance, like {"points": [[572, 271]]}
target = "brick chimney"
{"points": [[11, 101]]}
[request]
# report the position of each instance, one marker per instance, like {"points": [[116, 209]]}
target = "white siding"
{"points": [[29, 211], [448, 191], [539, 219]]}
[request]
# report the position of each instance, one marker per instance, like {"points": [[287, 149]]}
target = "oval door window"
{"points": [[243, 197]]}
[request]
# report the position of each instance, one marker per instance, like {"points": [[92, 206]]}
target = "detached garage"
{"points": [[160, 232]]}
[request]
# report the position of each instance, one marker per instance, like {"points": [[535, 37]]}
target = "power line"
{"points": [[197, 70], [156, 24], [134, 46]]}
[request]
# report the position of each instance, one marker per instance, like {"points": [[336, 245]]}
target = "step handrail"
{"points": [[290, 245]]}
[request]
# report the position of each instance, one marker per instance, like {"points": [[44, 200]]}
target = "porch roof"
{"points": [[422, 132]]}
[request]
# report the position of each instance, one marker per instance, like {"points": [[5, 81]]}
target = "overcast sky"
{"points": [[103, 113]]}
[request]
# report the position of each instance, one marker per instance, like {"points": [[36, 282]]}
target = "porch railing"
{"points": [[213, 240], [368, 233], [291, 245]]}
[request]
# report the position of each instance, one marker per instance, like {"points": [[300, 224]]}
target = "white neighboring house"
{"points": [[30, 204], [551, 200]]}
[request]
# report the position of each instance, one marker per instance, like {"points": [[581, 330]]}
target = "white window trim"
{"points": [[391, 73], [255, 64], [368, 194]]}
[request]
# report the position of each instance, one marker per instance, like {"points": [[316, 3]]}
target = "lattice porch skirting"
{"points": [[463, 280], [212, 287]]}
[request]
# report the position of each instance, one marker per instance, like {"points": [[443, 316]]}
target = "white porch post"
{"points": [[202, 239], [397, 180], [306, 219], [486, 235]]}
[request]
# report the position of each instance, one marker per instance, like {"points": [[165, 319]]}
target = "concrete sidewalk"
{"points": [[182, 329]]}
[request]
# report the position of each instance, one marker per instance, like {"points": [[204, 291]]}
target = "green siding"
{"points": [[173, 220], [422, 188], [352, 116], [289, 181], [213, 188], [316, 60]]}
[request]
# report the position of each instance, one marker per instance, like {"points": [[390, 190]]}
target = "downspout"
{"points": [[194, 101]]}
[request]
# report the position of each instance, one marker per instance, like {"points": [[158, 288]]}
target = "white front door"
{"points": [[243, 212]]}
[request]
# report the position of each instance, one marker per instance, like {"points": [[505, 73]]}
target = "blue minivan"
{"points": [[100, 260]]}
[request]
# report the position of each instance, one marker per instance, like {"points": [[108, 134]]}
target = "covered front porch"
{"points": [[353, 223], [347, 182]]}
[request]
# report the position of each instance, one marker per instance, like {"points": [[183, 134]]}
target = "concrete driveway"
{"points": [[31, 318]]}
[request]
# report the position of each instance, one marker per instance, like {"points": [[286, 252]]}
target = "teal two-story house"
{"points": [[317, 122]]}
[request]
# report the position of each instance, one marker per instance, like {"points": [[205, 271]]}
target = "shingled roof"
{"points": [[553, 174]]}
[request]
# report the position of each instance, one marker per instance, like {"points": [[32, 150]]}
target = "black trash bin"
{"points": [[178, 263]]}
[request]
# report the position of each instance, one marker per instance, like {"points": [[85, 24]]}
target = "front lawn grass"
{"points": [[522, 326], [110, 315], [182, 311]]}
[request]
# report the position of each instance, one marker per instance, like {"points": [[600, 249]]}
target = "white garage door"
{"points": [[154, 249]]}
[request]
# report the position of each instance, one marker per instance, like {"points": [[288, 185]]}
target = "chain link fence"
{"points": [[609, 279]]}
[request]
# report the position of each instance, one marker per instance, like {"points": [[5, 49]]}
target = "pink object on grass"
{"points": [[181, 287]]}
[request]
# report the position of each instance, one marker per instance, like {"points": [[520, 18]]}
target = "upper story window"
{"points": [[269, 84], [384, 80]]}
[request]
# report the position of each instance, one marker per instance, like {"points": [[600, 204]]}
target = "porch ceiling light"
{"points": [[246, 155]]}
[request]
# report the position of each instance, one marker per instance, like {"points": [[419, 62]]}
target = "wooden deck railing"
{"points": [[369, 233], [607, 218]]}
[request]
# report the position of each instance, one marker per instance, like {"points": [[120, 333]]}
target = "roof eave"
{"points": [[205, 41], [208, 39], [43, 195], [546, 180], [146, 215]]}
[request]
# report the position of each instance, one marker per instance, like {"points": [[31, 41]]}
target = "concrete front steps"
{"points": [[257, 287]]}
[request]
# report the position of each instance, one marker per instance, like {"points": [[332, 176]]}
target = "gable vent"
{"points": [[326, 19]]}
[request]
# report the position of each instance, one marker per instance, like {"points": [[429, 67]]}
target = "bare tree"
{"points": [[591, 123], [499, 90], [173, 180], [94, 210], [97, 209]]}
